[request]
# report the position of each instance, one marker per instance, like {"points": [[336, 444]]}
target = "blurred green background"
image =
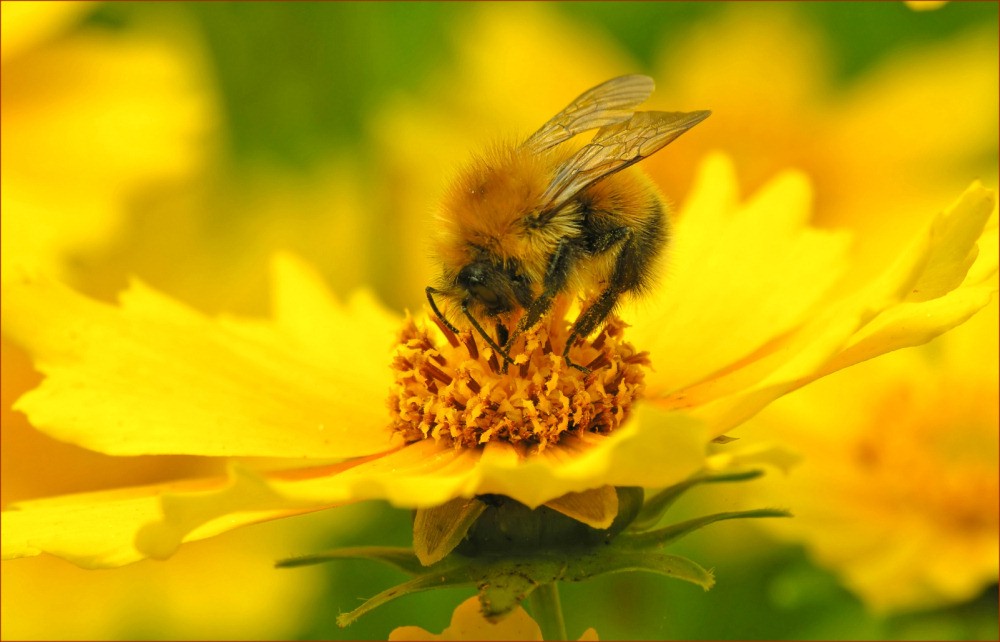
{"points": [[298, 84], [298, 78]]}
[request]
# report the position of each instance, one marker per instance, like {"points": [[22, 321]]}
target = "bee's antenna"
{"points": [[431, 291]]}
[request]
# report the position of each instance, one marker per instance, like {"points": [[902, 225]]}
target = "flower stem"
{"points": [[548, 612]]}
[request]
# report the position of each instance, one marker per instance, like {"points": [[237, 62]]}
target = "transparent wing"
{"points": [[610, 102], [615, 147]]}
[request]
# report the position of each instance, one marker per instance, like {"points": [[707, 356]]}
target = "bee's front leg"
{"points": [[624, 277], [556, 276]]}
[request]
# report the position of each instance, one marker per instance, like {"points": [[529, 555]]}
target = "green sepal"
{"points": [[504, 578], [667, 535], [503, 581], [656, 506], [395, 556], [437, 531], [443, 578]]}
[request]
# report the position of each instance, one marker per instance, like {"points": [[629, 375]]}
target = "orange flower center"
{"points": [[941, 463], [457, 391]]}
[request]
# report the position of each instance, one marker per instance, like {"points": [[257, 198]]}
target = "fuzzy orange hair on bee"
{"points": [[526, 223]]}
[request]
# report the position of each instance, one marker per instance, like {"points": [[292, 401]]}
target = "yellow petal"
{"points": [[468, 623], [306, 310], [937, 288], [940, 282], [153, 377], [653, 449], [656, 449], [98, 530], [925, 5], [737, 277]]}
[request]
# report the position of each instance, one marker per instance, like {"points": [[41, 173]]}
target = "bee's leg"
{"points": [[556, 275], [502, 334], [624, 277], [431, 291], [588, 321]]}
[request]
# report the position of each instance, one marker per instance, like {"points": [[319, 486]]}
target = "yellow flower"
{"points": [[750, 311], [101, 116], [907, 471], [468, 623]]}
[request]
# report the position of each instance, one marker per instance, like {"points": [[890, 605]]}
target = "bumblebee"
{"points": [[525, 223]]}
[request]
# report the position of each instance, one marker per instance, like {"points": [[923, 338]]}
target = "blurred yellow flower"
{"points": [[100, 115], [907, 471], [925, 5], [752, 310], [913, 129], [467, 623]]}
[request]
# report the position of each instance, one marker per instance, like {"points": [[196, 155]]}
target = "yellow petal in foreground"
{"points": [[118, 527], [141, 392], [937, 284], [98, 530], [738, 275], [658, 449], [154, 377]]}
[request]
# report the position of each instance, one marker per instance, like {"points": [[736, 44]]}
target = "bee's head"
{"points": [[495, 287]]}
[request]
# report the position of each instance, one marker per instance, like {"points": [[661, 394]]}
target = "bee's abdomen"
{"points": [[624, 227]]}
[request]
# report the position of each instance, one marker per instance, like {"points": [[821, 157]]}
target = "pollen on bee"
{"points": [[455, 390]]}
